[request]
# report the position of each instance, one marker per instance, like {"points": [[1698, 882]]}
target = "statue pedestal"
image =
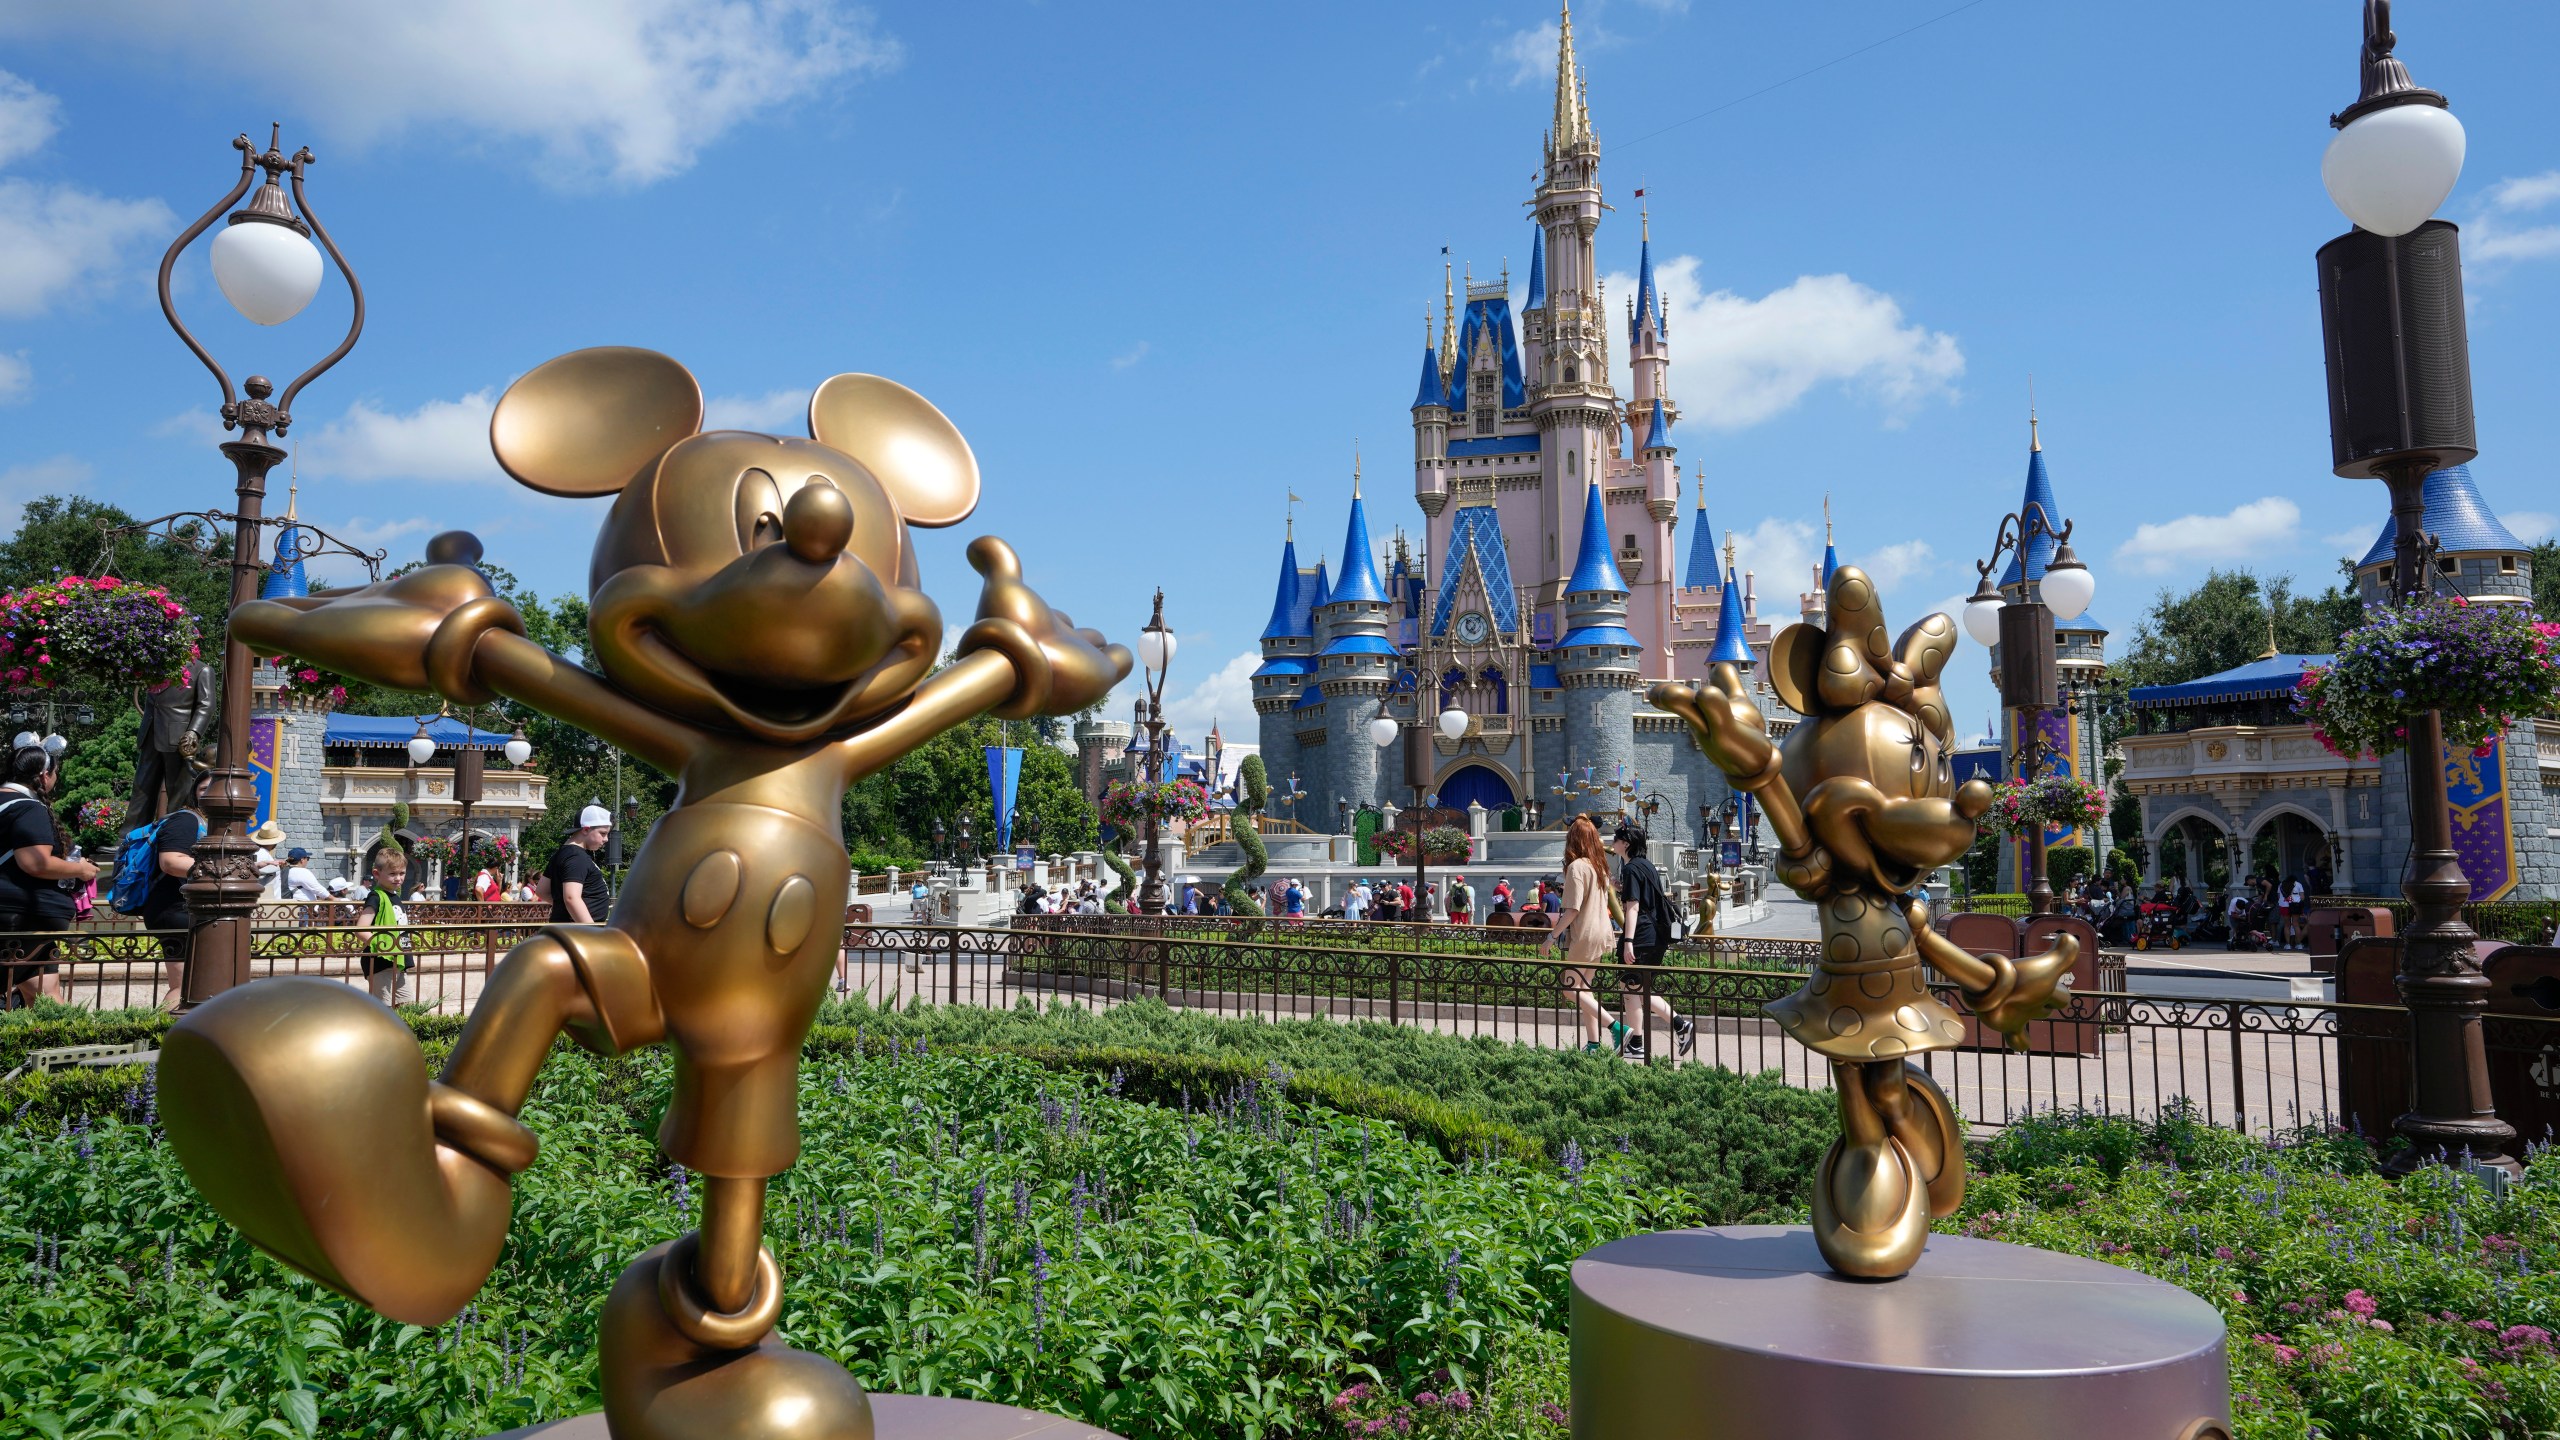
{"points": [[1742, 1333], [893, 1417]]}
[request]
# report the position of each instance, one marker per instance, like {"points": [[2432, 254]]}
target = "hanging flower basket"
{"points": [[1441, 845], [299, 679], [2052, 801], [99, 825], [1128, 804], [101, 634], [2481, 667]]}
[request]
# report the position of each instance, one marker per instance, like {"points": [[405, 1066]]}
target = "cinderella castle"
{"points": [[1541, 590]]}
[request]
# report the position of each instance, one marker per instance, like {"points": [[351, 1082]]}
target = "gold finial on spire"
{"points": [[1448, 315], [1826, 517], [1355, 469], [1702, 497], [2270, 652], [292, 501], [2034, 442], [1728, 552]]}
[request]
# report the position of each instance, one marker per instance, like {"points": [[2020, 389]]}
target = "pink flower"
{"points": [[2362, 1304]]}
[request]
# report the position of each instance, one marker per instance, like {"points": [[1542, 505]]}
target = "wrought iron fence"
{"points": [[1746, 952], [2521, 922], [2252, 1065]]}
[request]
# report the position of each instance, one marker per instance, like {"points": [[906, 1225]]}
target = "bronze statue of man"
{"points": [[179, 718]]}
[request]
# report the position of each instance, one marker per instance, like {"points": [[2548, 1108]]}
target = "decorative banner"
{"points": [[1004, 780], [2484, 839], [2061, 756], [262, 768]]}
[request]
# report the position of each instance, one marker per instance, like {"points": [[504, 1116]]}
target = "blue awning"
{"points": [[1495, 445], [1285, 665], [397, 730], [1597, 635], [1359, 645], [2257, 680]]}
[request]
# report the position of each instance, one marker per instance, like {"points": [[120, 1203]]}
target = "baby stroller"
{"points": [[2158, 926]]}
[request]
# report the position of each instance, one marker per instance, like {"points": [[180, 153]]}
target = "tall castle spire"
{"points": [[1701, 574], [1448, 320], [1573, 110]]}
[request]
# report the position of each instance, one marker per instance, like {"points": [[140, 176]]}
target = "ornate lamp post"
{"points": [[266, 267], [2400, 407], [1155, 653], [2060, 588]]}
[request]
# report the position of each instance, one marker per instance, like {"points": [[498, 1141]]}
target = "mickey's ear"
{"points": [[593, 421], [908, 446]]}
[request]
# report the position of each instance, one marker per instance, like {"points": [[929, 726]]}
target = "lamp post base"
{"points": [[1743, 1333]]}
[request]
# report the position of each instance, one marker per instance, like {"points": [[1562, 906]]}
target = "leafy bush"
{"points": [[957, 1224], [2360, 1308], [1255, 784], [1740, 1146]]}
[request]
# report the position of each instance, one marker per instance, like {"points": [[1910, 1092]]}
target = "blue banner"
{"points": [[1004, 781]]}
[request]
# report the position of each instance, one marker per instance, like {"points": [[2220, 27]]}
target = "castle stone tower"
{"points": [[1597, 661], [1098, 741], [1285, 680]]}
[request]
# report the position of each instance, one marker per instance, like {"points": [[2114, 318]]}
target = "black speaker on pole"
{"points": [[2399, 354]]}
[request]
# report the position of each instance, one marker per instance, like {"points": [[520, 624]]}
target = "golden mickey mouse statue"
{"points": [[1865, 804], [755, 611]]}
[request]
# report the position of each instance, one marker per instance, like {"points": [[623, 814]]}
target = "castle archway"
{"points": [[1477, 784]]}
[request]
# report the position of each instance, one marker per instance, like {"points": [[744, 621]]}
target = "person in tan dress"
{"points": [[1587, 925]]}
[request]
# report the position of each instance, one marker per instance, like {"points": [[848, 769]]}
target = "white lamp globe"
{"points": [[1982, 621], [1155, 649], [2067, 589], [1453, 722], [421, 749], [2389, 169], [1382, 731], [266, 270], [519, 751]]}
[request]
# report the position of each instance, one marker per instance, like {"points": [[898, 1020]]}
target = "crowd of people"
{"points": [[2265, 912]]}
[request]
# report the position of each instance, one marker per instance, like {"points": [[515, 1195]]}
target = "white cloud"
{"points": [[366, 534], [1130, 357], [1224, 697], [776, 412], [622, 91], [1893, 564], [2494, 232], [28, 117], [58, 242], [2351, 541], [1527, 55], [2246, 533], [2532, 526], [15, 376], [1786, 557], [440, 440], [1744, 361], [54, 475]]}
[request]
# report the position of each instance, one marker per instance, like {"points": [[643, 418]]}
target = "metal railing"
{"points": [[2250, 1065], [1747, 952]]}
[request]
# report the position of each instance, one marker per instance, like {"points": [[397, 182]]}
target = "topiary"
{"points": [[1117, 902], [1255, 784]]}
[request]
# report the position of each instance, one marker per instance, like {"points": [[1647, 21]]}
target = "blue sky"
{"points": [[1164, 263]]}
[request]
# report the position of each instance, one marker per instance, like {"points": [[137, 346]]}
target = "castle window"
{"points": [[1569, 374], [2506, 564], [2448, 567], [2385, 577]]}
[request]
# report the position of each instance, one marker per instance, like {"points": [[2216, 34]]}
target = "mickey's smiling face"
{"points": [[746, 581]]}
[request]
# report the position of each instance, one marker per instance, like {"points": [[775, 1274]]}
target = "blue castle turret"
{"points": [[1354, 667], [1730, 648], [1286, 679], [1596, 657], [2080, 646]]}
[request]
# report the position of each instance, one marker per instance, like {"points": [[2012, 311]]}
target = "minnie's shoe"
{"points": [[302, 1110]]}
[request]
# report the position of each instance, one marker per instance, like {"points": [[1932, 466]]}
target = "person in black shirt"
{"points": [[580, 893], [1641, 944], [34, 867], [164, 906]]}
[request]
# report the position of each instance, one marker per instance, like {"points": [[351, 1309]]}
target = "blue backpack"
{"points": [[137, 865]]}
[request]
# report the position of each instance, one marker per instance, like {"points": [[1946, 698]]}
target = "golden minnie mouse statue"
{"points": [[1864, 802], [756, 615]]}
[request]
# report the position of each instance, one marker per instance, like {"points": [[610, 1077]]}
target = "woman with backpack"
{"points": [[1648, 933], [35, 866]]}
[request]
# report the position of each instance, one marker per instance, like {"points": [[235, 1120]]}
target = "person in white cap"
{"points": [[580, 893]]}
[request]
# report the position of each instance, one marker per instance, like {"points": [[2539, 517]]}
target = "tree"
{"points": [[64, 535], [2222, 623], [2546, 578], [946, 777]]}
